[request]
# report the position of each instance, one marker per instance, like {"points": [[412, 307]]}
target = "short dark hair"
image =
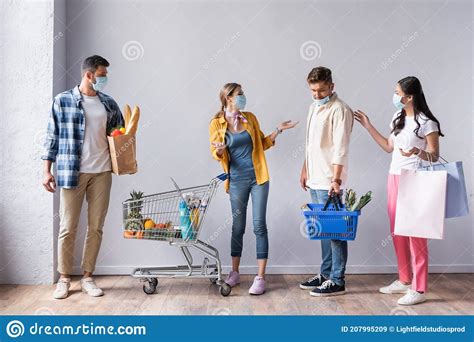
{"points": [[320, 74], [93, 62]]}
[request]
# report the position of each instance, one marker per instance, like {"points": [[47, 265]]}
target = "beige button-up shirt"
{"points": [[328, 133]]}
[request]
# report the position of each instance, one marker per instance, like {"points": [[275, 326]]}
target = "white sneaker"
{"points": [[90, 287], [412, 298], [62, 288], [396, 287]]}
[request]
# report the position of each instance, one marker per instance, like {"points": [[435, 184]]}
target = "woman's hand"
{"points": [[362, 118], [414, 150], [219, 146], [287, 125], [385, 143]]}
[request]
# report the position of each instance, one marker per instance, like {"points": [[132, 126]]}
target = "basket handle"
{"points": [[337, 199], [334, 198]]}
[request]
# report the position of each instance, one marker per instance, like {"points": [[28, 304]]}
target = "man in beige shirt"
{"points": [[329, 126]]}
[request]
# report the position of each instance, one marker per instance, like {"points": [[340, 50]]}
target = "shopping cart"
{"points": [[330, 221], [176, 217]]}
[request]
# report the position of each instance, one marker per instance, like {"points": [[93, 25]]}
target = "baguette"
{"points": [[132, 127], [127, 114]]}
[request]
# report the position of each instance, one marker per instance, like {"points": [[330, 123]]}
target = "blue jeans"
{"points": [[334, 252], [240, 190]]}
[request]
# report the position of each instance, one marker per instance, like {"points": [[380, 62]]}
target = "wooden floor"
{"points": [[450, 294]]}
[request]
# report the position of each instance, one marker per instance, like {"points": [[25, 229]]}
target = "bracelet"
{"points": [[338, 181], [278, 131], [418, 154]]}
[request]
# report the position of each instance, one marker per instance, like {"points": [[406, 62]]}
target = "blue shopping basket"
{"points": [[330, 221]]}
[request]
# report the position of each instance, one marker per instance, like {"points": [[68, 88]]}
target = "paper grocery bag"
{"points": [[457, 203], [123, 154], [421, 204]]}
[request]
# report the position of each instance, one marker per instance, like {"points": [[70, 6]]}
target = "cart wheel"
{"points": [[213, 280], [153, 281], [150, 286], [225, 289]]}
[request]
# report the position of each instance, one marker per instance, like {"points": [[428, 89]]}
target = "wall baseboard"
{"points": [[353, 269]]}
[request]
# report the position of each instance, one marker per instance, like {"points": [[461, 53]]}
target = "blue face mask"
{"points": [[100, 83], [322, 101], [240, 102], [397, 101]]}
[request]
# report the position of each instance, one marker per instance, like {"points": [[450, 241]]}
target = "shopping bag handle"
{"points": [[420, 161], [430, 159], [446, 162], [334, 198]]}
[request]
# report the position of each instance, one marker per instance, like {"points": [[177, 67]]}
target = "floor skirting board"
{"points": [[353, 269]]}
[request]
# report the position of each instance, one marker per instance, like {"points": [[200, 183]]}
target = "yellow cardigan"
{"points": [[217, 130]]}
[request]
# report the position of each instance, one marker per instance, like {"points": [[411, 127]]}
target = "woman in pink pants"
{"points": [[414, 133]]}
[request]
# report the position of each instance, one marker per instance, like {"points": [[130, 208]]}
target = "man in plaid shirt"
{"points": [[76, 142]]}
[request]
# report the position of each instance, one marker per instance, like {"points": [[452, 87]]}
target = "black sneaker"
{"points": [[313, 283], [328, 288]]}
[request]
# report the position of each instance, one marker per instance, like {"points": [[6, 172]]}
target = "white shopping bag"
{"points": [[421, 204]]}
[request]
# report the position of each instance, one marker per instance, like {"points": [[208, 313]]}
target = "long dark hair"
{"points": [[412, 86]]}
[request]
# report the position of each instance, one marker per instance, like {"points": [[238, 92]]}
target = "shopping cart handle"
{"points": [[223, 176]]}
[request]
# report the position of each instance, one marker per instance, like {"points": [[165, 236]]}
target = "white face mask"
{"points": [[397, 101], [322, 101], [240, 102], [100, 83]]}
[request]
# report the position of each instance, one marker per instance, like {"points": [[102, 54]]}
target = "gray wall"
{"points": [[172, 58], [184, 53]]}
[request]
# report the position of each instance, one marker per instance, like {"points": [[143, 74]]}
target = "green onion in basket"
{"points": [[362, 202], [350, 198]]}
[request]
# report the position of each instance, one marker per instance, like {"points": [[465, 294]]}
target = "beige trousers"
{"points": [[96, 188]]}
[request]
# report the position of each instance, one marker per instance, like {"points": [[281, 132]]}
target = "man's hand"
{"points": [[335, 187], [303, 177], [49, 182]]}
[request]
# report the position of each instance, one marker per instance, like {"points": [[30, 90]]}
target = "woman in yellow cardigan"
{"points": [[238, 143]]}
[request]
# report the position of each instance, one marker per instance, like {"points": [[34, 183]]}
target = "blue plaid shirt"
{"points": [[65, 133]]}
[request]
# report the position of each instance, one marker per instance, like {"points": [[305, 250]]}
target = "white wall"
{"points": [[60, 74], [26, 210], [172, 58]]}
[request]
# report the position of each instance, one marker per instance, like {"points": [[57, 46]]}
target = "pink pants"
{"points": [[412, 252]]}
